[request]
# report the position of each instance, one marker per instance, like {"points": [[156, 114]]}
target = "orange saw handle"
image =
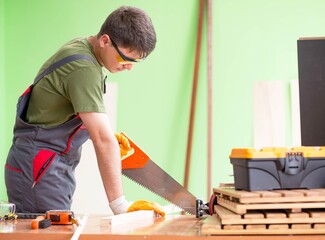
{"points": [[137, 159]]}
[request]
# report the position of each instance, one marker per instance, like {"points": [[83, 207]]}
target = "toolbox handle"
{"points": [[294, 163]]}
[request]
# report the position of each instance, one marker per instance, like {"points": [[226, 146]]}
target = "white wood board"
{"points": [[295, 113], [127, 217], [90, 196], [269, 114]]}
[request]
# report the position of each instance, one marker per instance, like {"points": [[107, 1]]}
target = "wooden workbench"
{"points": [[172, 226]]}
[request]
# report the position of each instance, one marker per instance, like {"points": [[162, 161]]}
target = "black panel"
{"points": [[311, 64]]}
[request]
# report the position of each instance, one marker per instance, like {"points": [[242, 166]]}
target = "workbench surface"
{"points": [[172, 226]]}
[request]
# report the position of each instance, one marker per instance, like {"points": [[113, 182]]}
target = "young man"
{"points": [[64, 107]]}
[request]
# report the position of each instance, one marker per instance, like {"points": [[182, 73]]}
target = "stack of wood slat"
{"points": [[296, 211]]}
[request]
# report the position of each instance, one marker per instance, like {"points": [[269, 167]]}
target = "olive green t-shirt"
{"points": [[75, 87]]}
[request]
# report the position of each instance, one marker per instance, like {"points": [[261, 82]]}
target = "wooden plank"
{"points": [[227, 185], [212, 226], [236, 193], [298, 215], [283, 199], [81, 203], [321, 190], [275, 214], [233, 227], [268, 111], [295, 210], [268, 194], [319, 226], [295, 113], [310, 192], [254, 215], [316, 213], [127, 217], [255, 226], [275, 196], [223, 213], [278, 226], [266, 217], [242, 208], [301, 226], [290, 193]]}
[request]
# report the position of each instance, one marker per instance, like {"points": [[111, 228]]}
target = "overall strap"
{"points": [[60, 63]]}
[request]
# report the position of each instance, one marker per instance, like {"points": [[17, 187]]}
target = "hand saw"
{"points": [[140, 168]]}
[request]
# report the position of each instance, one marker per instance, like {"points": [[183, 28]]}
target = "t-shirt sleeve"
{"points": [[84, 87]]}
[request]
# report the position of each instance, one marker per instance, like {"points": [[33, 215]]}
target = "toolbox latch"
{"points": [[294, 163]]}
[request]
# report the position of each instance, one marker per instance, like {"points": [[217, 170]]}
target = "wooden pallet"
{"points": [[240, 201], [311, 216], [292, 207], [274, 196], [212, 226], [299, 211]]}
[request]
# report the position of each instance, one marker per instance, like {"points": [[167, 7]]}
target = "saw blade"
{"points": [[152, 177]]}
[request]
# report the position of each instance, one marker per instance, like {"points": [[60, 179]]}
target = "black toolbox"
{"points": [[278, 168]]}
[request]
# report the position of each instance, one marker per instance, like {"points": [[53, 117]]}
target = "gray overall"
{"points": [[39, 172]]}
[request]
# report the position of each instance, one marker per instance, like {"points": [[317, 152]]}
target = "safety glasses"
{"points": [[122, 59]]}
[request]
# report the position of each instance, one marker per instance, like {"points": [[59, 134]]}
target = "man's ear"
{"points": [[104, 40]]}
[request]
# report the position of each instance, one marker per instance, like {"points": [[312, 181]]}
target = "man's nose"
{"points": [[128, 66]]}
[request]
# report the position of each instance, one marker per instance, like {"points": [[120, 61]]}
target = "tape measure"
{"points": [[55, 217], [61, 217]]}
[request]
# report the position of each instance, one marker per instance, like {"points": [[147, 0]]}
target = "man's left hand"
{"points": [[124, 144], [146, 205]]}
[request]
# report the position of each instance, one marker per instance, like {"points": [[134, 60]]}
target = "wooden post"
{"points": [[194, 90], [209, 160]]}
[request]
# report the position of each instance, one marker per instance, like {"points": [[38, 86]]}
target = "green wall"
{"points": [[253, 40], [3, 122]]}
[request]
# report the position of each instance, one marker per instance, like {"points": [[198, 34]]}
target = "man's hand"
{"points": [[146, 205], [121, 205], [124, 144]]}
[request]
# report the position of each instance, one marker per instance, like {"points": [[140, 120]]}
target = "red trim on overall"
{"points": [[14, 169], [83, 127], [26, 91], [69, 141]]}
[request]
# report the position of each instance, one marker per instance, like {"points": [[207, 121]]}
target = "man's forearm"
{"points": [[109, 164], [107, 152]]}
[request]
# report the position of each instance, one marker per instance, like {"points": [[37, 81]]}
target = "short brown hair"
{"points": [[130, 27]]}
